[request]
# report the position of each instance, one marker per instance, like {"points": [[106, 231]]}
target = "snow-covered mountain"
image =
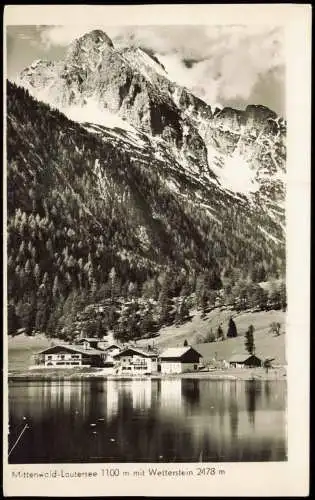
{"points": [[129, 89]]}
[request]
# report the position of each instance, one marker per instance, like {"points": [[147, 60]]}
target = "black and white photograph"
{"points": [[146, 238]]}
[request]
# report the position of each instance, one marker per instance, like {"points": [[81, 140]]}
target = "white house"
{"points": [[131, 361], [179, 360], [69, 356]]}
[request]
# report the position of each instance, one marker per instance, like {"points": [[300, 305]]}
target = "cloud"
{"points": [[234, 66], [61, 35], [219, 63]]}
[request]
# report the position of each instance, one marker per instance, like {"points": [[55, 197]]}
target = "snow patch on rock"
{"points": [[93, 113], [234, 173]]}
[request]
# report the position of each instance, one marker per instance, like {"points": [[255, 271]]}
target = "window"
{"points": [[140, 361], [49, 356], [195, 367]]}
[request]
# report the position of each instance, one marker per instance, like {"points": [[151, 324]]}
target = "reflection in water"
{"points": [[141, 394], [233, 410], [267, 386], [253, 394], [171, 395], [191, 392], [175, 420], [138, 394], [112, 398]]}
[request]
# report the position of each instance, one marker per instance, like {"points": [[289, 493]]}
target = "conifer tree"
{"points": [[25, 315], [283, 295], [249, 340], [232, 330], [165, 303], [204, 304], [13, 324], [55, 288], [184, 310]]}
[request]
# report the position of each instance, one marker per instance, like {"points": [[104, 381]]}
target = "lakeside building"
{"points": [[244, 360], [63, 356], [131, 361], [180, 360], [111, 350]]}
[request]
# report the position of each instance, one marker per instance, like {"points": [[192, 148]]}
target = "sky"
{"points": [[223, 65]]}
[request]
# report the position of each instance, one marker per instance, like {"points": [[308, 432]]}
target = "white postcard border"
{"points": [[240, 479]]}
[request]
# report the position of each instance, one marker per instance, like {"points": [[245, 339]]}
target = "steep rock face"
{"points": [[242, 150], [40, 75], [118, 81], [258, 137], [147, 64]]}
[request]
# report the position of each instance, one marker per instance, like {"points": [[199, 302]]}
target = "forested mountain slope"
{"points": [[88, 216]]}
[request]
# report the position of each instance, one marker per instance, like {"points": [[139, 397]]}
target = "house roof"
{"points": [[110, 346], [240, 357], [73, 348], [176, 352], [90, 339], [140, 352]]}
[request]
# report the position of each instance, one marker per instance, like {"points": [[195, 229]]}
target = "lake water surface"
{"points": [[175, 420]]}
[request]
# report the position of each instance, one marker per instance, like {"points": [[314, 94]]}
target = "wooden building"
{"points": [[92, 343], [245, 361], [67, 356], [112, 349], [132, 361], [179, 360]]}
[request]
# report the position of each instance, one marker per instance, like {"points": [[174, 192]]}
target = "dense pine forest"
{"points": [[97, 241]]}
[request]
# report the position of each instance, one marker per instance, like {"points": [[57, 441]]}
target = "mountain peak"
{"points": [[96, 41], [97, 37]]}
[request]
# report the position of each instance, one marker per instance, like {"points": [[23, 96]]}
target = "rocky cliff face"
{"points": [[242, 152], [241, 149], [119, 81]]}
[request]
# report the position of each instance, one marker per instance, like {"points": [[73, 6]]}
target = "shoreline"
{"points": [[243, 374]]}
